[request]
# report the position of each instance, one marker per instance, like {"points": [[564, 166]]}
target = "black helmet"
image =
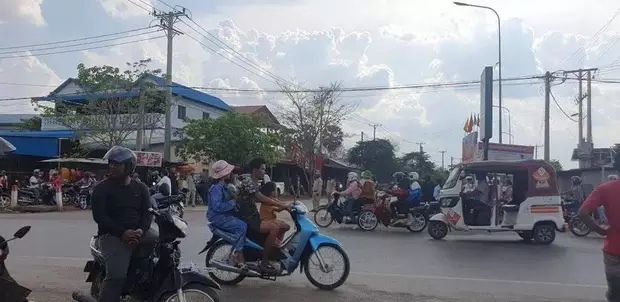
{"points": [[123, 156]]}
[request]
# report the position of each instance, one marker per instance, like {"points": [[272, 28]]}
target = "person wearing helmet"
{"points": [[120, 209], [368, 188], [400, 190], [351, 193]]}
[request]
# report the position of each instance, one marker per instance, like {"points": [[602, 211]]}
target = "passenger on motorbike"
{"points": [[406, 196], [351, 193], [249, 195], [163, 192], [368, 188], [222, 210], [120, 209], [267, 212]]}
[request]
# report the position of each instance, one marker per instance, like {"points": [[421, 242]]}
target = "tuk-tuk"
{"points": [[501, 196]]}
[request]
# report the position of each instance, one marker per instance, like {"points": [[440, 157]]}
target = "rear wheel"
{"points": [[220, 251], [336, 270], [323, 217], [437, 229], [578, 227], [83, 202], [367, 221], [5, 201], [544, 233], [193, 292], [418, 223]]}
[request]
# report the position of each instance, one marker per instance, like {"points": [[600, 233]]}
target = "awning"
{"points": [[37, 143], [77, 160]]}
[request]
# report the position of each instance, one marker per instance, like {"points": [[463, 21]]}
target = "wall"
{"points": [[193, 111]]}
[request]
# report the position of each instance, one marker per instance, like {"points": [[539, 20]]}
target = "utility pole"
{"points": [[536, 150], [166, 21], [421, 148], [547, 93], [580, 104], [443, 152], [374, 130], [584, 144], [362, 136], [589, 108]]}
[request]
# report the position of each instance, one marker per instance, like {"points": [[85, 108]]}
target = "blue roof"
{"points": [[37, 143], [177, 89]]}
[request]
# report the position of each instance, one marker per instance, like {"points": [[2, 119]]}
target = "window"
{"points": [[181, 114], [205, 115]]}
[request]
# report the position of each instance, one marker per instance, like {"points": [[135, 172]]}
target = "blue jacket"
{"points": [[221, 205]]}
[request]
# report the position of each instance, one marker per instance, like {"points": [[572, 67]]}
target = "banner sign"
{"points": [[149, 159]]}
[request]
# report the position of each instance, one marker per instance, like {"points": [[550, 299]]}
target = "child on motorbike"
{"points": [[268, 213], [222, 208]]}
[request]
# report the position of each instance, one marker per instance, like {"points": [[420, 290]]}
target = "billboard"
{"points": [[470, 142], [486, 103], [149, 159]]}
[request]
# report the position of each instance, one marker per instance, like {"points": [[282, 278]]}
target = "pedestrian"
{"points": [[191, 190], [608, 196], [317, 189], [330, 186]]}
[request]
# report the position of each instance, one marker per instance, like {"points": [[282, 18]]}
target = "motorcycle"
{"points": [[83, 197], [335, 210], [11, 291], [173, 202], [415, 220], [571, 216], [319, 256], [156, 277]]}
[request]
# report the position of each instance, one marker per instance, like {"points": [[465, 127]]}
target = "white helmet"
{"points": [[352, 176], [414, 176], [612, 177]]}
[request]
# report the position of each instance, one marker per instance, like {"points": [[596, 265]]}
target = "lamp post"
{"points": [[499, 43], [511, 140]]}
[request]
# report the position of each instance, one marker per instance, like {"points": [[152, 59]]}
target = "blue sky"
{"points": [[361, 43]]}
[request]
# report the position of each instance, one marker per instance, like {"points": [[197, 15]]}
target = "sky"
{"points": [[360, 43]]}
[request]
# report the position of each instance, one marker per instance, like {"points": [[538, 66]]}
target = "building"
{"points": [[13, 121], [590, 177], [187, 104], [261, 113]]}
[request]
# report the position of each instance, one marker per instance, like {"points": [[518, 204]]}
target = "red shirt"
{"points": [[608, 196]]}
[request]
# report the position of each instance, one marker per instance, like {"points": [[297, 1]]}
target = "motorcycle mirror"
{"points": [[22, 232]]}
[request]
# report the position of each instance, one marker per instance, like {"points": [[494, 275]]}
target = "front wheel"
{"points": [[367, 221], [5, 201], [221, 251], [193, 292], [83, 202], [418, 223], [323, 217], [437, 229], [335, 270], [578, 227], [544, 233]]}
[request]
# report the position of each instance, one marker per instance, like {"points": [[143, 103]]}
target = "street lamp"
{"points": [[499, 42], [511, 140]]}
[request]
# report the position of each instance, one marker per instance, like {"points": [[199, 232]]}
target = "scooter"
{"points": [[335, 210], [571, 216], [11, 291], [415, 220], [155, 277], [320, 257]]}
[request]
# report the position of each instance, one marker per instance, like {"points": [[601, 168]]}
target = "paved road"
{"points": [[387, 265]]}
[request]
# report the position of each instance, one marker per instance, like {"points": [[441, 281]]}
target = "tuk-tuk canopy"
{"points": [[541, 176]]}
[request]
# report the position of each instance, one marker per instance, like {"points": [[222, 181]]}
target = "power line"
{"points": [[560, 107], [80, 49], [140, 6], [78, 39], [79, 44]]}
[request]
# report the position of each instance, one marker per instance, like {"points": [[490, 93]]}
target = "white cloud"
{"points": [[25, 70], [124, 9], [21, 11]]}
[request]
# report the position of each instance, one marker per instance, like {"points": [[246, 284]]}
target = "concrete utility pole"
{"points": [[584, 145], [580, 104], [166, 21], [536, 150], [547, 93], [589, 108], [443, 152], [362, 136], [374, 130], [421, 148]]}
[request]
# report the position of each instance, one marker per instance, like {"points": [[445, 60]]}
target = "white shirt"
{"points": [[165, 180], [34, 181], [415, 186], [266, 179]]}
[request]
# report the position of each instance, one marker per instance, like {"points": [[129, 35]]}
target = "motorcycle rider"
{"points": [[400, 190], [351, 193], [35, 182], [120, 209], [249, 195]]}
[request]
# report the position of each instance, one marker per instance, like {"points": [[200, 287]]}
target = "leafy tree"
{"points": [[556, 164], [32, 124], [233, 137], [377, 156], [117, 104], [419, 162]]}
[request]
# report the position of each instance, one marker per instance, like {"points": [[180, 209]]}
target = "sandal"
{"points": [[268, 269]]}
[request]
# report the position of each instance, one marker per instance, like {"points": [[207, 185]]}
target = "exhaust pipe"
{"points": [[229, 268]]}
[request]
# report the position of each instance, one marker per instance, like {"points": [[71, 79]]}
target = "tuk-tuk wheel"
{"points": [[544, 233], [437, 229]]}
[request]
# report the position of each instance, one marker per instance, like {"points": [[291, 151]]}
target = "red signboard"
{"points": [[149, 159]]}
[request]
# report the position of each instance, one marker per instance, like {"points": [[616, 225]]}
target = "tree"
{"points": [[377, 156], [312, 122], [556, 164], [32, 124], [419, 162], [118, 103], [233, 137]]}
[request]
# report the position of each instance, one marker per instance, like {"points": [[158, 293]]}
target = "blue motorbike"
{"points": [[320, 257]]}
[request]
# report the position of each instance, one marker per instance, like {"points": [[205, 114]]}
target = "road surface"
{"points": [[387, 265]]}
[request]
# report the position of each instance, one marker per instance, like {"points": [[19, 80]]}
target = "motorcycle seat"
{"points": [[510, 207]]}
